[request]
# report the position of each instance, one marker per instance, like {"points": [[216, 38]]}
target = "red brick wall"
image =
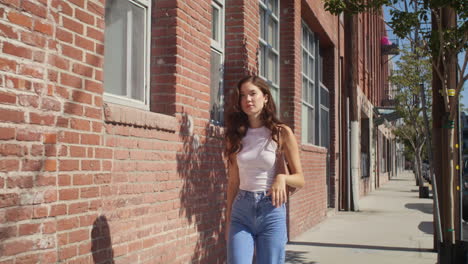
{"points": [[84, 181]]}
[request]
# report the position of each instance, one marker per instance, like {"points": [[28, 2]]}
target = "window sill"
{"points": [[122, 115], [313, 148]]}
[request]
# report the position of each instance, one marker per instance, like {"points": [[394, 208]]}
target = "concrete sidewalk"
{"points": [[393, 226]]}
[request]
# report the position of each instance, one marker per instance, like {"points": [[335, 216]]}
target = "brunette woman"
{"points": [[256, 212]]}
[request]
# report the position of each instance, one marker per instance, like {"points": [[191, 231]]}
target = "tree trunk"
{"points": [[351, 79], [444, 138]]}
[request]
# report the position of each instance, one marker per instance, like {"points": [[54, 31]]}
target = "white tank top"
{"points": [[256, 160]]}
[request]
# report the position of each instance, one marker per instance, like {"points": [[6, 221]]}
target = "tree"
{"points": [[411, 77], [443, 27]]}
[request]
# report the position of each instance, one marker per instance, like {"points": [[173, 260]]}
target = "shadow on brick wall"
{"points": [[101, 245], [200, 164]]}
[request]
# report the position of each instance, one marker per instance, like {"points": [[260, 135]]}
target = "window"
{"points": [[315, 95], [217, 63], [268, 56], [126, 53], [309, 67]]}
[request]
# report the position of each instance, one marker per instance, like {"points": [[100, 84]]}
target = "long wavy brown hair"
{"points": [[237, 122]]}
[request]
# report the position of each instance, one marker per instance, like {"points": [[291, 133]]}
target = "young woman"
{"points": [[256, 212]]}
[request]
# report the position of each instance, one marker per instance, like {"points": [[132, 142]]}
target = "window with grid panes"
{"points": [[126, 56], [309, 80], [269, 45], [217, 63], [315, 95]]}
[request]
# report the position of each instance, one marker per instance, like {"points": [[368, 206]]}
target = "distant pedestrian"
{"points": [[256, 212]]}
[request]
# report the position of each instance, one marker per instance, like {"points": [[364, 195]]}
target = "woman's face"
{"points": [[252, 99]]}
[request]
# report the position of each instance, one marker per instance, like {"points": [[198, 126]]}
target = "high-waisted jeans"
{"points": [[256, 223]]}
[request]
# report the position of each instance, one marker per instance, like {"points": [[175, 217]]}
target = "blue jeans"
{"points": [[256, 223]]}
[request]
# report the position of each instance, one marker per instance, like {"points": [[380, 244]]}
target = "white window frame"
{"points": [[269, 48], [126, 100], [314, 80], [218, 47]]}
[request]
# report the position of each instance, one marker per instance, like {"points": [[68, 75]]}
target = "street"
{"points": [[393, 226]]}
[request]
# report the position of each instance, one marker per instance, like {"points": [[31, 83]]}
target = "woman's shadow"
{"points": [[101, 243]]}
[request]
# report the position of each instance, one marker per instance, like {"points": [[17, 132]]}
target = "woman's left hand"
{"points": [[278, 190]]}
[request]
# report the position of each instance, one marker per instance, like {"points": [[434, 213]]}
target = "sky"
{"points": [[391, 36]]}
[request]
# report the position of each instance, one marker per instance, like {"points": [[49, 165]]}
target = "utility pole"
{"points": [[351, 80]]}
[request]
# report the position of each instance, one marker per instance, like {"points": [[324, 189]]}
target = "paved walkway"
{"points": [[393, 226]]}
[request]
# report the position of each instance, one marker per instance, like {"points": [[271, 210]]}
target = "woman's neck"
{"points": [[255, 122]]}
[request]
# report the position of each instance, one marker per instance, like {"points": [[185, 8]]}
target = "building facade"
{"points": [[111, 121]]}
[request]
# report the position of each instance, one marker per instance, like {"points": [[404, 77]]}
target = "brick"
{"points": [[72, 52], [67, 224], [71, 80], [33, 39], [57, 210], [11, 150], [68, 194], [13, 116], [34, 9], [45, 180], [77, 208], [50, 138], [84, 43], [28, 100], [28, 229], [95, 34], [68, 165], [7, 133], [17, 51], [31, 165], [97, 9], [94, 60], [68, 252], [80, 124], [7, 65], [44, 28], [19, 214], [39, 119], [8, 200], [83, 70], [50, 104], [17, 83], [50, 165], [32, 71], [89, 139], [20, 19], [84, 17], [64, 36], [50, 150], [72, 25], [94, 87], [7, 98], [58, 62], [82, 97], [20, 182], [24, 135], [9, 165], [17, 247], [69, 137], [40, 212], [7, 31], [90, 192], [90, 165]]}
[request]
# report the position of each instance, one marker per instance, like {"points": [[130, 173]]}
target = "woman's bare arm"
{"points": [[291, 152], [232, 189]]}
